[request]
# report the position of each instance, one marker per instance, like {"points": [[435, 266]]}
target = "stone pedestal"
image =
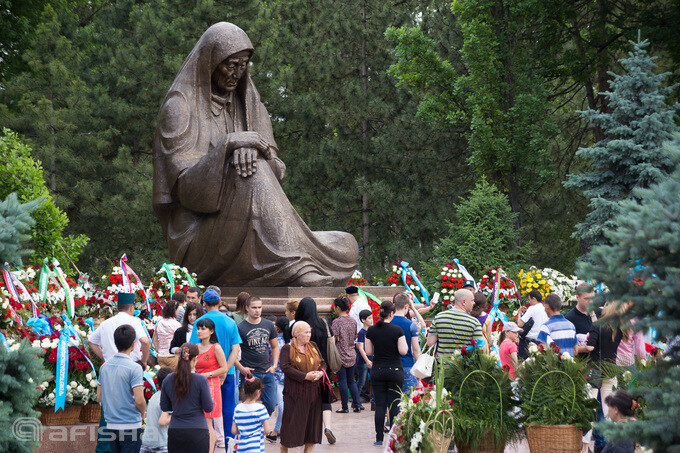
{"points": [[274, 298], [80, 438]]}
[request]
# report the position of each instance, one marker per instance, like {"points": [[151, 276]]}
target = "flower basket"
{"points": [[487, 445], [439, 442], [91, 413], [68, 416], [554, 438]]}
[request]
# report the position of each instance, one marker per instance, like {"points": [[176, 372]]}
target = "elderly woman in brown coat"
{"points": [[302, 366]]}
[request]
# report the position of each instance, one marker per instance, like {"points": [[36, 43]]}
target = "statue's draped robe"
{"points": [[231, 230]]}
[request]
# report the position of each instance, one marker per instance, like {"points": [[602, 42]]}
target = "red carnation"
{"points": [[445, 277], [450, 284], [53, 356], [463, 351], [459, 286]]}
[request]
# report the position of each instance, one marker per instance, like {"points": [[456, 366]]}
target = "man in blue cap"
{"points": [[229, 338]]}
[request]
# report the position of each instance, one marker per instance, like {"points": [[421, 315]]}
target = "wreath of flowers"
{"points": [[395, 278], [160, 287], [357, 279]]}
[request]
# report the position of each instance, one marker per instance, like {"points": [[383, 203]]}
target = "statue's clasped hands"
{"points": [[245, 147]]}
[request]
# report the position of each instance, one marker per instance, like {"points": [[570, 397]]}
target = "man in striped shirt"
{"points": [[454, 329], [559, 330]]}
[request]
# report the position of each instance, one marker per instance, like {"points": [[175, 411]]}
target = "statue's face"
{"points": [[226, 76]]}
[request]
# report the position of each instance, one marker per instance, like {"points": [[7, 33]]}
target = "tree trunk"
{"points": [[364, 130]]}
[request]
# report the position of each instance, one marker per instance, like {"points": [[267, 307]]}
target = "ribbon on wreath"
{"points": [[495, 299], [190, 279], [15, 282], [405, 268], [168, 273], [149, 378], [126, 281], [62, 364], [68, 296], [44, 281], [90, 323], [465, 273], [137, 312], [40, 326], [47, 320], [13, 292], [3, 340]]}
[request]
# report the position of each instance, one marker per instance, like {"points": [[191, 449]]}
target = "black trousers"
{"points": [[386, 384], [182, 440]]}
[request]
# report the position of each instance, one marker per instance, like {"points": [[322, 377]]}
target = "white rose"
{"points": [[36, 343], [80, 388]]}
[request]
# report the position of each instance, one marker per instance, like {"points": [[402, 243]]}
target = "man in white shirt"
{"points": [[101, 341], [358, 303], [536, 311]]}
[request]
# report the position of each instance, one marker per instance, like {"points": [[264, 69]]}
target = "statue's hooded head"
{"points": [[230, 52]]}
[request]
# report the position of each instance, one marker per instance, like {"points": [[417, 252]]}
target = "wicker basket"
{"points": [[440, 442], [486, 445], [554, 438], [91, 413], [66, 416]]}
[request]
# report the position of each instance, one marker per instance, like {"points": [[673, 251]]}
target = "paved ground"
{"points": [[355, 433]]}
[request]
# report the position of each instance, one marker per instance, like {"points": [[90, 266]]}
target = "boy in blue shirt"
{"points": [[121, 392], [363, 361]]}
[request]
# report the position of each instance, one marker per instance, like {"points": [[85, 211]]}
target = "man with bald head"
{"points": [[456, 328]]}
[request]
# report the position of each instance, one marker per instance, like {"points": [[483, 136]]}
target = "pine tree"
{"points": [[630, 156], [646, 233], [21, 371], [483, 233], [15, 222]]}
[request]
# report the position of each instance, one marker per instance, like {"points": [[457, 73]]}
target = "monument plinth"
{"points": [[274, 298]]}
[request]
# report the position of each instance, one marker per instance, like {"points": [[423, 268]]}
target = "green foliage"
{"points": [[21, 371], [631, 155], [15, 222], [483, 401], [552, 390], [647, 233], [483, 234], [22, 174]]}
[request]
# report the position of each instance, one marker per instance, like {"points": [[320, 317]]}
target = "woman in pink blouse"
{"points": [[162, 336]]}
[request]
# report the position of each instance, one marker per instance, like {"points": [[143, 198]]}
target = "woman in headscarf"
{"points": [[302, 366], [307, 312], [217, 179]]}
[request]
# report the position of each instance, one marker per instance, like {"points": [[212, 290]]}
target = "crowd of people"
{"points": [[223, 374]]}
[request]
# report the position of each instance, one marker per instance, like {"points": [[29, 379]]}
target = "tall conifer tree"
{"points": [[631, 155]]}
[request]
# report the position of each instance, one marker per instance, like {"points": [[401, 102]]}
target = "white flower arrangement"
{"points": [[560, 284]]}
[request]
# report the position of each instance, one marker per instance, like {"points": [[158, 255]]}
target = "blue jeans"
{"points": [[598, 438], [362, 376], [279, 407], [410, 381], [228, 404], [125, 441], [345, 377], [268, 394], [102, 442]]}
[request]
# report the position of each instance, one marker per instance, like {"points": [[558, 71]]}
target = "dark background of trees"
{"points": [[486, 88]]}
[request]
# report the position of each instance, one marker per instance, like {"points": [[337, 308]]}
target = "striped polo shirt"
{"points": [[558, 330], [454, 329]]}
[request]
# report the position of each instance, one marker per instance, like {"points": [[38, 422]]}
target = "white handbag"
{"points": [[423, 367]]}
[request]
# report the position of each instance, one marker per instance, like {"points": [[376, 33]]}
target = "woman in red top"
{"points": [[212, 364]]}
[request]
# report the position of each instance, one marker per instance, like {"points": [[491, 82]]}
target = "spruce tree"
{"points": [[483, 233], [641, 263], [15, 222], [630, 156]]}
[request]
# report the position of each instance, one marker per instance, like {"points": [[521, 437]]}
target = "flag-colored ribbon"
{"points": [[44, 281], [9, 284], [168, 273], [190, 279], [62, 364], [16, 282], [90, 323], [68, 296], [465, 273], [495, 298], [405, 268], [126, 280]]}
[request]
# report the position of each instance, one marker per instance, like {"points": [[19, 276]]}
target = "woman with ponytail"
{"points": [[387, 343], [187, 395]]}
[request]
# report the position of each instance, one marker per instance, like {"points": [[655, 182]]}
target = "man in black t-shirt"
{"points": [[579, 316], [259, 335]]}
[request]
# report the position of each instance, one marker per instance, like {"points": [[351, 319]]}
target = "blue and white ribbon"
{"points": [[149, 378], [40, 326], [126, 281], [405, 268], [90, 323], [3, 340], [62, 371], [465, 273]]}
